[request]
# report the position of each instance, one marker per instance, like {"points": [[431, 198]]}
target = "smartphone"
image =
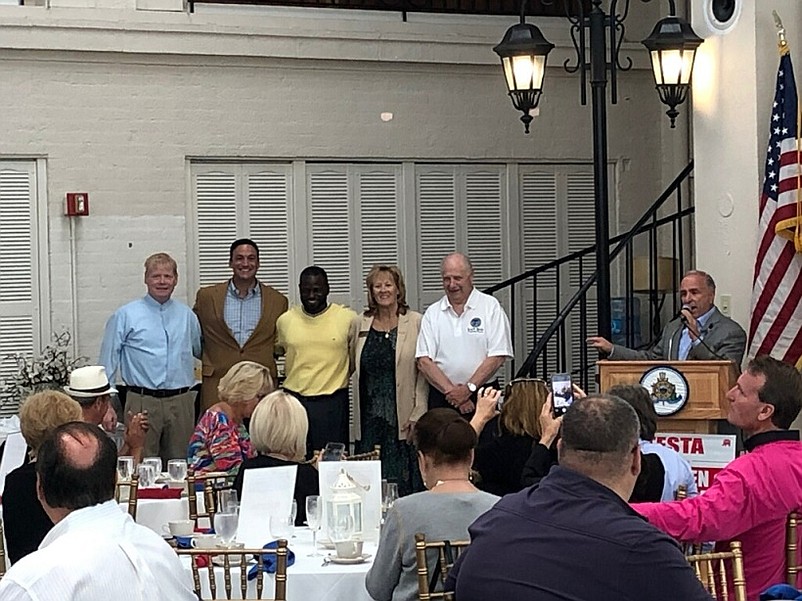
{"points": [[333, 451], [562, 393]]}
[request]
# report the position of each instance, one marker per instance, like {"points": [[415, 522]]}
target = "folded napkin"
{"points": [[158, 493], [781, 591], [270, 560]]}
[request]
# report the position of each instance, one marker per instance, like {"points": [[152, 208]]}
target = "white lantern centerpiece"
{"points": [[344, 505]]}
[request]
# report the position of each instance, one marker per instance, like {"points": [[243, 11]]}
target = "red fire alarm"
{"points": [[77, 204]]}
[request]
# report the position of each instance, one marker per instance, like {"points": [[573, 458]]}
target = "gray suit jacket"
{"points": [[725, 337]]}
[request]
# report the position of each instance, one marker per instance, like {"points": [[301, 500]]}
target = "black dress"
{"points": [[24, 520], [306, 480], [379, 413]]}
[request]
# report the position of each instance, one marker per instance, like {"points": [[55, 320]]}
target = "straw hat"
{"points": [[88, 382]]}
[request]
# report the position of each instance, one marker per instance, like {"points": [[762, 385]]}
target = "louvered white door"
{"points": [[581, 234], [354, 212], [18, 266], [539, 198], [245, 200], [436, 194]]}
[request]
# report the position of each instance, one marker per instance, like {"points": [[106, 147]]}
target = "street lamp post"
{"points": [[672, 45]]}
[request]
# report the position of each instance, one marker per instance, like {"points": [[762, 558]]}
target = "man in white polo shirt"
{"points": [[464, 339]]}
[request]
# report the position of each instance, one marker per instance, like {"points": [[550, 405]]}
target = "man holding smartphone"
{"points": [[464, 339]]}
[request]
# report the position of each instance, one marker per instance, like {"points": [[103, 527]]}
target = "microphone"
{"points": [[681, 316]]}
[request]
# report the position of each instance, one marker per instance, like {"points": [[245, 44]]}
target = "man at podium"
{"points": [[700, 331]]}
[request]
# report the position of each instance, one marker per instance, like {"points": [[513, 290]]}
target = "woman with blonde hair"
{"points": [[220, 442], [25, 522], [500, 462], [278, 432], [392, 393]]}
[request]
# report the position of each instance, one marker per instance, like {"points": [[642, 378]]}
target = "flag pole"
{"points": [[782, 46]]}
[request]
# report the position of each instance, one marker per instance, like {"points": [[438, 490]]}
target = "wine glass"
{"points": [[294, 513], [229, 502], [177, 468], [314, 510], [156, 462], [225, 526], [390, 496], [147, 475], [125, 468]]}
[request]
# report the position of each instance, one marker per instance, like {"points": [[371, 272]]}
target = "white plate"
{"points": [[349, 560], [326, 544]]}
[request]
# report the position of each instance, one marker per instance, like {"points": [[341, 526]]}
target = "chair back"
{"points": [[374, 455], [207, 485], [711, 569], [2, 551], [430, 585], [131, 487], [681, 492], [235, 565], [792, 563]]}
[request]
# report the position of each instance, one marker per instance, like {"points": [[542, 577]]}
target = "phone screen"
{"points": [[333, 451], [562, 393]]}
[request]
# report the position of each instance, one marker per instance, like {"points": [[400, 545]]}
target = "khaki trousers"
{"points": [[172, 421]]}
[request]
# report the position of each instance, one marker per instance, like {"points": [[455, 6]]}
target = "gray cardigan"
{"points": [[393, 576]]}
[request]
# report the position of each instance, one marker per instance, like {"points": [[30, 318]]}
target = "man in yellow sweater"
{"points": [[319, 341]]}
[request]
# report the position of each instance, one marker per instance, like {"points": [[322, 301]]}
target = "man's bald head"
{"points": [[457, 278], [77, 467]]}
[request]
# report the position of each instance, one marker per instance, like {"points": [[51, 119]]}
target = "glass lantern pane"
{"points": [[672, 63], [658, 75], [525, 72], [687, 65], [506, 62]]}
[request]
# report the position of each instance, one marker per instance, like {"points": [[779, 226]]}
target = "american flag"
{"points": [[775, 327]]}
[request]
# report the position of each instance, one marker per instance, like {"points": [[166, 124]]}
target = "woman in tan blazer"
{"points": [[391, 393]]}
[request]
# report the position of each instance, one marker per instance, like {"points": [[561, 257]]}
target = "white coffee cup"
{"points": [[348, 549], [179, 527], [205, 541]]}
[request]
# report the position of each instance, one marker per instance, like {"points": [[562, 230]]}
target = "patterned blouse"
{"points": [[218, 444]]}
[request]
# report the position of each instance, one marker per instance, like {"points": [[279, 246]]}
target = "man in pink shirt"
{"points": [[751, 498]]}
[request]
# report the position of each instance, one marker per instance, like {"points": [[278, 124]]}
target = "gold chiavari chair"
{"points": [[430, 586], [132, 487], [2, 551], [792, 564], [374, 455], [231, 560], [711, 569], [681, 493], [207, 485]]}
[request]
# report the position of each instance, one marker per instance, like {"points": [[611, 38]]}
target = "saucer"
{"points": [[349, 560], [326, 543]]}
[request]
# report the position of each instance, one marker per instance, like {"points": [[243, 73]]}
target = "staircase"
{"points": [[646, 265]]}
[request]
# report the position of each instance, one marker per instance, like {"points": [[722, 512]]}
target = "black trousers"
{"points": [[328, 419], [438, 399]]}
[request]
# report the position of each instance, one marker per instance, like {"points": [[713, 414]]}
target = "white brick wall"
{"points": [[121, 118]]}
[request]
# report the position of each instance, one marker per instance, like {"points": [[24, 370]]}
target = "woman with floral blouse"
{"points": [[220, 442]]}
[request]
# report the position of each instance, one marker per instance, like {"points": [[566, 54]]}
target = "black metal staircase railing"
{"points": [[661, 242]]}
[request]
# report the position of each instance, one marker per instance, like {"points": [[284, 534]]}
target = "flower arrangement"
{"points": [[49, 371]]}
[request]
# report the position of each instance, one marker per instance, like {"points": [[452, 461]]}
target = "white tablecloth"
{"points": [[307, 578]]}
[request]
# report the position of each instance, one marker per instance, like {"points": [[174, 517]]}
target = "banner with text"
{"points": [[708, 454]]}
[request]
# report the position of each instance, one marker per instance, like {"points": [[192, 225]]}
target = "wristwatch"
{"points": [[471, 386]]}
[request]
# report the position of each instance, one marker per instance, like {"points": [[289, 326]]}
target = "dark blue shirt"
{"points": [[571, 539]]}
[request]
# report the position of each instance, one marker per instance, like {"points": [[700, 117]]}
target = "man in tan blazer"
{"points": [[238, 319]]}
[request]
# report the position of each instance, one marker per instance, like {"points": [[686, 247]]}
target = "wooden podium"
{"points": [[708, 383]]}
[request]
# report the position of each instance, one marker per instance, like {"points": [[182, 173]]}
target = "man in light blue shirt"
{"points": [[151, 345]]}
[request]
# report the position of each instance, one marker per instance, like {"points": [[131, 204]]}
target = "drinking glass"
{"points": [[156, 462], [294, 512], [389, 496], [177, 468], [281, 526], [125, 468], [228, 501], [314, 510], [147, 475], [342, 529], [225, 526]]}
